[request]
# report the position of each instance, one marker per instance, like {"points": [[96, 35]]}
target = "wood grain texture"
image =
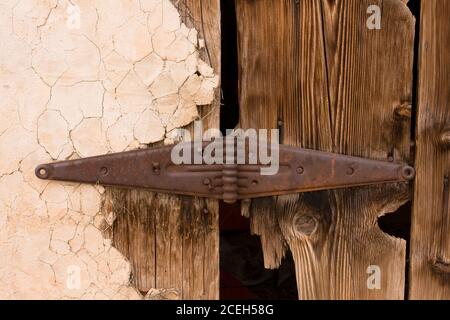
{"points": [[134, 232], [172, 242], [315, 70], [430, 237]]}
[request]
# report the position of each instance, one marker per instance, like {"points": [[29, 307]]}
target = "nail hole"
{"points": [[300, 170], [350, 171], [104, 171], [156, 168], [254, 182]]}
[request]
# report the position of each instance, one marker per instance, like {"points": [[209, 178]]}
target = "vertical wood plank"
{"points": [[430, 237], [134, 232], [169, 244], [200, 220], [173, 242], [201, 243], [331, 84], [210, 246]]}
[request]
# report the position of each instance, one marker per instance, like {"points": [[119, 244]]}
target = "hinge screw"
{"points": [[156, 168]]}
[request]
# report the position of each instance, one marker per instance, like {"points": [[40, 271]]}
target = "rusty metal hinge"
{"points": [[300, 170]]}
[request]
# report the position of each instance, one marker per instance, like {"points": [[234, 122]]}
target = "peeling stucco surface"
{"points": [[124, 75]]}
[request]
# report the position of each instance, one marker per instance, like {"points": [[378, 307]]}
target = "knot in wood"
{"points": [[445, 138], [441, 266], [404, 111], [304, 225]]}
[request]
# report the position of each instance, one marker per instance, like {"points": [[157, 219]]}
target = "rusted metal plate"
{"points": [[299, 170]]}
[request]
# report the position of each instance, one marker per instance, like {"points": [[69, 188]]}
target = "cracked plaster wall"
{"points": [[77, 79]]}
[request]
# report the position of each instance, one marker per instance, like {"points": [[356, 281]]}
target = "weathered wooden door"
{"points": [[318, 72], [331, 75]]}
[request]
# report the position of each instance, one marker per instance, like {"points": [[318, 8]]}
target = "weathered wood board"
{"points": [[173, 242], [315, 70], [430, 237]]}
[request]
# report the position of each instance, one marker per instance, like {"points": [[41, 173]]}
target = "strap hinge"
{"points": [[241, 175]]}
